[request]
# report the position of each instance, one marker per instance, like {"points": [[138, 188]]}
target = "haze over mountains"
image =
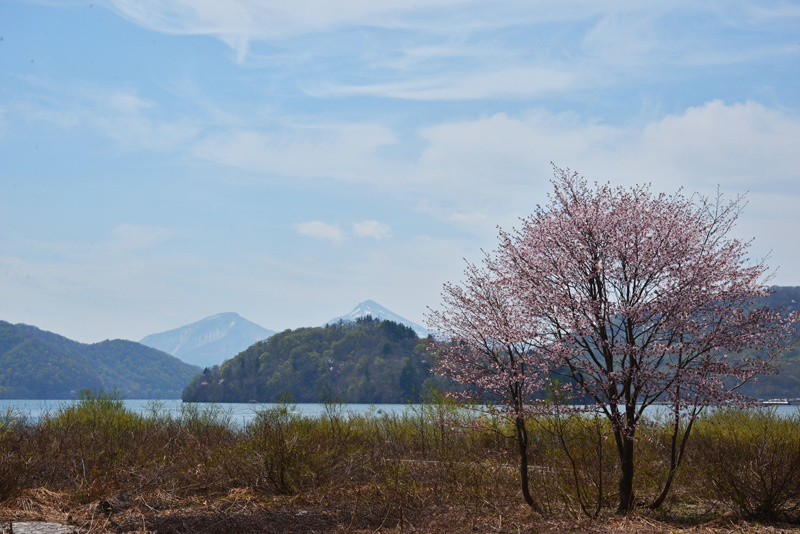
{"points": [[213, 340], [39, 364], [209, 341]]}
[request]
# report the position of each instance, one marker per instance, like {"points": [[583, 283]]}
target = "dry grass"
{"points": [[243, 510], [106, 470]]}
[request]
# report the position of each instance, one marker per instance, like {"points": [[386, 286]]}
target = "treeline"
{"points": [[367, 361]]}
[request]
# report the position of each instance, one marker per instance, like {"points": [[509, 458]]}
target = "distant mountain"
{"points": [[35, 364], [786, 297], [209, 341], [370, 308], [365, 361]]}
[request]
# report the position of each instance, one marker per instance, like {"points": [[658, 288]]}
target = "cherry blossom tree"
{"points": [[478, 346], [633, 298]]}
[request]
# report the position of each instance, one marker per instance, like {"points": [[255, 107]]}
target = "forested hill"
{"points": [[786, 297], [785, 383], [372, 361], [367, 361], [35, 364]]}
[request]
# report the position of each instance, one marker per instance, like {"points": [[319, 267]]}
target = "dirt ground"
{"points": [[243, 511]]}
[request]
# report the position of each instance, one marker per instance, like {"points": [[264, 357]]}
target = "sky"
{"points": [[162, 161]]}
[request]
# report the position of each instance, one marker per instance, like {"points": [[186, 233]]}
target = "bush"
{"points": [[751, 462], [12, 464]]}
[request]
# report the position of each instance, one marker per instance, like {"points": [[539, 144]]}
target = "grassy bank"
{"points": [[99, 466]]}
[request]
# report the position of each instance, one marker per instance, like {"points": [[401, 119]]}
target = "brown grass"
{"points": [[242, 511], [104, 469]]}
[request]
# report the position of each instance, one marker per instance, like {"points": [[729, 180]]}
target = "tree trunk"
{"points": [[626, 497], [675, 459], [522, 441]]}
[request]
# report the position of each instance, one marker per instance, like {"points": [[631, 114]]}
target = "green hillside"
{"points": [[368, 361], [35, 364], [785, 382]]}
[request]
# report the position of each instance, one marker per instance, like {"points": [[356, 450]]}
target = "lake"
{"points": [[238, 412], [245, 412]]}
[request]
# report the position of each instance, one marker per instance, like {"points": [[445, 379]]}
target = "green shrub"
{"points": [[750, 461]]}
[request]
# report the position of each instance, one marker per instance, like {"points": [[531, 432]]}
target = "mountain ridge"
{"points": [[35, 363], [209, 341]]}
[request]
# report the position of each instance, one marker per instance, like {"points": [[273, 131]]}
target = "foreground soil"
{"points": [[243, 511]]}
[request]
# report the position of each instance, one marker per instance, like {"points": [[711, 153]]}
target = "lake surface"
{"points": [[238, 412], [242, 413]]}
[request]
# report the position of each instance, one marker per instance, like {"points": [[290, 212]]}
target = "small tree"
{"points": [[633, 298], [478, 347]]}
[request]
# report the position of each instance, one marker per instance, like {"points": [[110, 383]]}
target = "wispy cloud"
{"points": [[239, 22], [778, 11], [465, 49], [320, 230], [491, 169], [343, 151], [116, 113], [372, 229], [466, 218], [509, 82]]}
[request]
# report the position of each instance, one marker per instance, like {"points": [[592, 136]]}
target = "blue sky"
{"points": [[165, 160]]}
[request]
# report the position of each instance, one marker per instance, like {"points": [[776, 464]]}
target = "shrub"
{"points": [[751, 462]]}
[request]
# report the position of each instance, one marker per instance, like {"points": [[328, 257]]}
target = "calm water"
{"points": [[242, 413], [238, 412]]}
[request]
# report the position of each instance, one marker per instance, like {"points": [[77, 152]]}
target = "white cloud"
{"points": [[464, 49], [499, 165], [738, 145], [343, 151], [507, 82], [492, 169], [320, 230], [373, 229], [733, 145], [467, 217], [117, 113], [129, 120], [238, 22]]}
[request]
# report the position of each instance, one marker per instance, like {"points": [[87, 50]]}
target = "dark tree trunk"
{"points": [[522, 442], [676, 455], [626, 497]]}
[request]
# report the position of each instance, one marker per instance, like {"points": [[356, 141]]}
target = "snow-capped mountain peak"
{"points": [[370, 308], [209, 341]]}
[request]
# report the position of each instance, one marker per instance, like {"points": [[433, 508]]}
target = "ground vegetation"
{"points": [[97, 466]]}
